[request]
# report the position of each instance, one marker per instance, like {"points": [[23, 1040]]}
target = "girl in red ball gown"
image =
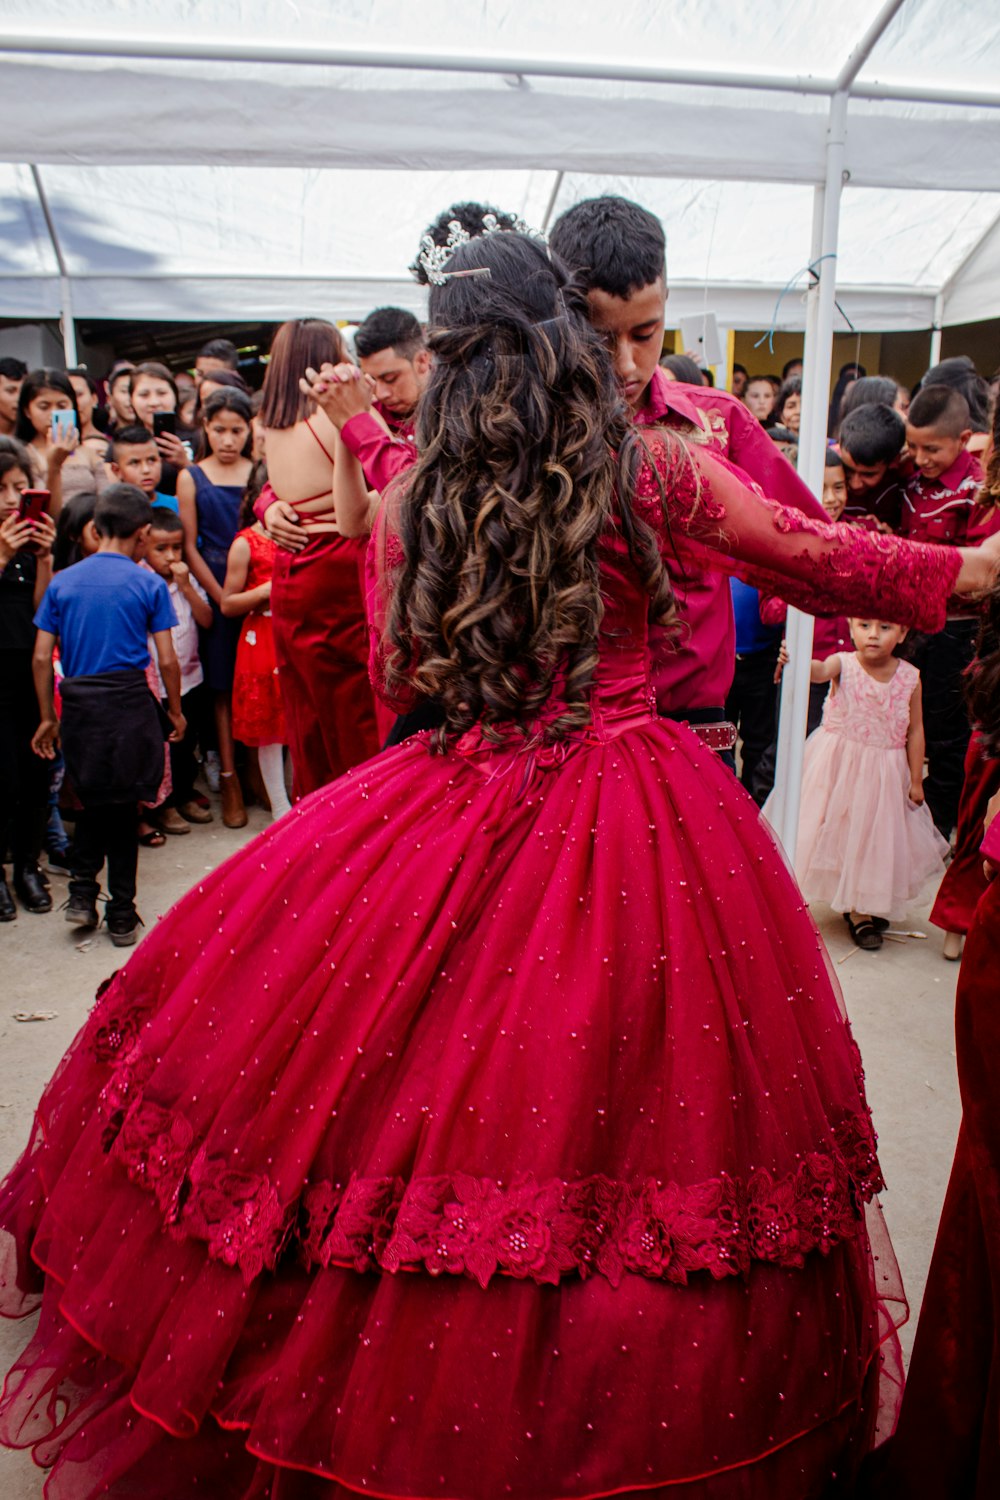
{"points": [[490, 1127]]}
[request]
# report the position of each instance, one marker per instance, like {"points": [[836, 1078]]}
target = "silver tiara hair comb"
{"points": [[435, 257]]}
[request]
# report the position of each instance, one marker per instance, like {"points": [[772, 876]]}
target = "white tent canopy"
{"points": [[255, 158]]}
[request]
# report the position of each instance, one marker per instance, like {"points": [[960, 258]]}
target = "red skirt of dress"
{"points": [[321, 644], [258, 713], [486, 1130], [964, 881], [947, 1446]]}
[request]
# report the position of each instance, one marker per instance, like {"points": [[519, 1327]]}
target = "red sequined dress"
{"points": [[489, 1127], [258, 715]]}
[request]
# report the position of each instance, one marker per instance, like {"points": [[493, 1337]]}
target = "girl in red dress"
{"points": [[490, 1127], [258, 715]]}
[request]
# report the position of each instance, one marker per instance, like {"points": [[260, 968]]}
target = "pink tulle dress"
{"points": [[863, 845], [489, 1128]]}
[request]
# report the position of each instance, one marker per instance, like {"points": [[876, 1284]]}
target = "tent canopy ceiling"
{"points": [[145, 158]]}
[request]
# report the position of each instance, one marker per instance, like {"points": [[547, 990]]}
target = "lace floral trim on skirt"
{"points": [[460, 1224]]}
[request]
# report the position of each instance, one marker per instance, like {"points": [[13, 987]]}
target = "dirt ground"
{"points": [[900, 1001]]}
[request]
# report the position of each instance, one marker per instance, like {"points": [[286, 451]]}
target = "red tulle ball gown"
{"points": [[488, 1127]]}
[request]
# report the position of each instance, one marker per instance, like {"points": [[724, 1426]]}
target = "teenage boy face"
{"points": [[163, 549], [139, 463], [933, 452], [861, 477], [9, 392], [398, 381], [633, 329], [834, 492]]}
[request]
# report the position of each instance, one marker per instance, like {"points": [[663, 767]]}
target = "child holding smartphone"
{"points": [[26, 535], [48, 424]]}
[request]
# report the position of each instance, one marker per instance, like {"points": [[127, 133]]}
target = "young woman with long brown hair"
{"points": [[489, 1127], [316, 601]]}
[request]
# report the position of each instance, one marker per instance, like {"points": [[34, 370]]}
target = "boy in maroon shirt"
{"points": [[876, 465], [940, 505]]}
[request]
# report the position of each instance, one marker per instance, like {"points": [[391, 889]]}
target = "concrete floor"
{"points": [[901, 1004]]}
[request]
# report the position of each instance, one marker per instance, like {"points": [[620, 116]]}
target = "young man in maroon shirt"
{"points": [[616, 250]]}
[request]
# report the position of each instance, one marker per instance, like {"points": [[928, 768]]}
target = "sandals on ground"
{"points": [[152, 839], [866, 934]]}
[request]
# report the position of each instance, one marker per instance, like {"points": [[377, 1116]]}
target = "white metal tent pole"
{"points": [[65, 290], [812, 451], [810, 383]]}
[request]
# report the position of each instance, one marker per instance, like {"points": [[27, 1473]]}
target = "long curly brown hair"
{"points": [[527, 456]]}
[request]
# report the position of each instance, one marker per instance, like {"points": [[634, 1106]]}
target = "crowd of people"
{"points": [[526, 1006]]}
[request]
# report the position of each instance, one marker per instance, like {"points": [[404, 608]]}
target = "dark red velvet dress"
{"points": [[964, 881], [947, 1446], [489, 1128]]}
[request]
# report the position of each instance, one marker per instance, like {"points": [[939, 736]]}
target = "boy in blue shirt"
{"points": [[102, 611]]}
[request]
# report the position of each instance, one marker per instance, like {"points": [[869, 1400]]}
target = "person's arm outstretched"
{"points": [[821, 567], [916, 747], [825, 671]]}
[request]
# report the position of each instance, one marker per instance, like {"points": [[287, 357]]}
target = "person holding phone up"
{"points": [[26, 536], [48, 424], [155, 401]]}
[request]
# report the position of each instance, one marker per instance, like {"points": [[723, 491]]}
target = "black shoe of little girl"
{"points": [[867, 931]]}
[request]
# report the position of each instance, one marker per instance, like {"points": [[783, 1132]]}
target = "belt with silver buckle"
{"points": [[718, 737]]}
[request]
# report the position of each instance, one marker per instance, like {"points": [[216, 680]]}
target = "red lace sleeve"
{"points": [[820, 567], [383, 562]]}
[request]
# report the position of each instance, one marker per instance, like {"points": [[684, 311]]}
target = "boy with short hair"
{"points": [[616, 251], [940, 506], [135, 459], [875, 463], [102, 611], [164, 555], [941, 495]]}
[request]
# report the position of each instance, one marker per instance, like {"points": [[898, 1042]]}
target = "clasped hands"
{"points": [[341, 391]]}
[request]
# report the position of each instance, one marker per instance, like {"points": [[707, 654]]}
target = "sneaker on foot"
{"points": [[124, 931], [80, 911]]}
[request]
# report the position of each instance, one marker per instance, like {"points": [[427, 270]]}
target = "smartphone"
{"points": [[164, 421], [63, 423], [34, 505]]}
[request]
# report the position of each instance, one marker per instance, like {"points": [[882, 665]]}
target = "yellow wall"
{"points": [[789, 346]]}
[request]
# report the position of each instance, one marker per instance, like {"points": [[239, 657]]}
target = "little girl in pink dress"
{"points": [[867, 844]]}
